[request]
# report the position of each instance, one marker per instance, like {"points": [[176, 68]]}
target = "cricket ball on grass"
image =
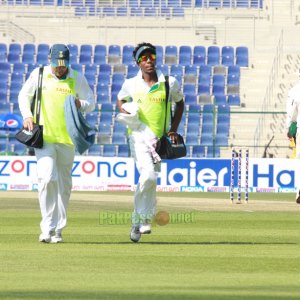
{"points": [[162, 218]]}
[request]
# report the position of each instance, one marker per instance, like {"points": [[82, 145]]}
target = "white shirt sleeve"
{"points": [[125, 92], [26, 94], [176, 94], [84, 93]]}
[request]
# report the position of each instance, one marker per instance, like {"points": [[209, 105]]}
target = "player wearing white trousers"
{"points": [[145, 194], [148, 91], [55, 159], [54, 166]]}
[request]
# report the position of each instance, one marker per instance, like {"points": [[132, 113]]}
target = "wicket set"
{"points": [[237, 153]]}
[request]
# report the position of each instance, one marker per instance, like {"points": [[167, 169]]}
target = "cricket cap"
{"points": [[59, 55]]}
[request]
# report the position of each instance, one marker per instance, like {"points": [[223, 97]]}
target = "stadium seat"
{"points": [[85, 59], [198, 151], [123, 151], [213, 55], [109, 150], [150, 12], [234, 100], [159, 54], [15, 48], [122, 11], [176, 70], [90, 69], [29, 48], [178, 12], [43, 48], [100, 49], [73, 48], [242, 56], [171, 54], [213, 151], [86, 49], [105, 68], [99, 59], [114, 54], [136, 12], [109, 12], [42, 58], [28, 58]]}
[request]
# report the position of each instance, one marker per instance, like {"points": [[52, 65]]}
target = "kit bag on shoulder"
{"points": [[34, 138], [165, 148]]}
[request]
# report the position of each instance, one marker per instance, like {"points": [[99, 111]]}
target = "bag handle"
{"points": [[38, 96]]}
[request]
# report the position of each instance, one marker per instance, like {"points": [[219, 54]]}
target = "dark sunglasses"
{"points": [[152, 57]]}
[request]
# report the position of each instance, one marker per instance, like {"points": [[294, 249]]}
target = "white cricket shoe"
{"points": [[145, 228], [135, 234], [45, 238], [57, 238]]}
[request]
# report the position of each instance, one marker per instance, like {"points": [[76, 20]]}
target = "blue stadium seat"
{"points": [[190, 99], [43, 48], [28, 58], [118, 78], [119, 138], [114, 54], [73, 48], [176, 70], [213, 55], [99, 59], [221, 140], [100, 49], [242, 56], [90, 69], [186, 3], [127, 57], [213, 151], [136, 12], [3, 48], [150, 12], [85, 59], [29, 48], [234, 70], [203, 89], [77, 67], [102, 98], [220, 99], [15, 48], [42, 58], [13, 58], [198, 151], [164, 68], [178, 12], [146, 3], [122, 11], [103, 78], [86, 49], [171, 54], [234, 100], [206, 140], [165, 12], [95, 150], [102, 88], [159, 54], [198, 3], [189, 89], [123, 151], [132, 70], [105, 68]]}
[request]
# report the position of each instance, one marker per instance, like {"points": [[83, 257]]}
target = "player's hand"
{"points": [[28, 124], [77, 103], [173, 136], [290, 137]]}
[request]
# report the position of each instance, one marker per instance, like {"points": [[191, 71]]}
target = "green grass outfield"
{"points": [[224, 251]]}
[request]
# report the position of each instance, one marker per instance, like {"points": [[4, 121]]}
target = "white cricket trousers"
{"points": [[145, 194], [54, 166]]}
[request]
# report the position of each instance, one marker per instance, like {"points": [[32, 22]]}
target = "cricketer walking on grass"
{"points": [[147, 91], [55, 159]]}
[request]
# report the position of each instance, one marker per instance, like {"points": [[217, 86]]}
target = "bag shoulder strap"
{"points": [[167, 88], [38, 95]]}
